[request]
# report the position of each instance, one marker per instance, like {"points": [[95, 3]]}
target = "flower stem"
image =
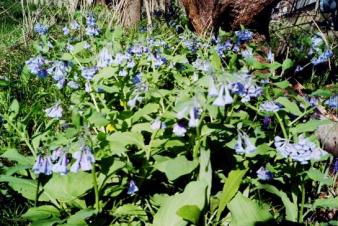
{"points": [[96, 190], [302, 203], [37, 191], [280, 121]]}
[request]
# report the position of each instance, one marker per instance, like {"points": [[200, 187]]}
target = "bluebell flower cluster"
{"points": [[222, 47], [270, 106], [59, 71], [36, 66], [223, 98], [303, 151], [202, 65], [324, 57], [92, 29], [246, 87], [74, 25], [55, 111], [41, 29], [58, 162], [88, 73], [83, 160], [244, 145], [263, 174], [332, 102], [104, 58], [244, 35]]}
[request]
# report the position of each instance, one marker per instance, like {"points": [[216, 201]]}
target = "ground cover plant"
{"points": [[134, 127]]}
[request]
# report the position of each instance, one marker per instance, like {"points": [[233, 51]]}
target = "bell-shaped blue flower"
{"points": [[132, 188], [54, 111], [212, 92], [179, 130], [84, 160], [264, 174], [61, 165]]}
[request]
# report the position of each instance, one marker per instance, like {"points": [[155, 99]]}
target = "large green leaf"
{"points": [[247, 212], [230, 188], [146, 110], [70, 187], [190, 213], [309, 126], [289, 106], [291, 209], [98, 119], [130, 210], [13, 155], [78, 219], [41, 213], [119, 140], [205, 173], [316, 175], [194, 194], [175, 167], [331, 203]]}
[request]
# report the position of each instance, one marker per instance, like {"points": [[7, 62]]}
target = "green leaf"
{"points": [[230, 188], [70, 187], [66, 57], [46, 222], [98, 119], [316, 175], [287, 64], [291, 209], [119, 140], [129, 209], [194, 194], [289, 106], [247, 212], [322, 93], [283, 85], [309, 126], [79, 217], [13, 155], [27, 188], [14, 109], [331, 203], [175, 167], [190, 213], [41, 213], [146, 110], [205, 173], [105, 73]]}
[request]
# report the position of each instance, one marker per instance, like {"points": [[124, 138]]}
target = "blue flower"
{"points": [[73, 84], [157, 124], [91, 20], [271, 56], [123, 73], [332, 102], [244, 145], [266, 122], [269, 106], [223, 98], [104, 58], [335, 166], [132, 188], [137, 79], [42, 165], [41, 29], [212, 92], [92, 31], [244, 35], [59, 71], [299, 69], [247, 54], [88, 73], [84, 160], [303, 151], [264, 174], [324, 57], [65, 31], [194, 116], [70, 47], [179, 130], [245, 87], [55, 111], [131, 64], [61, 165], [86, 45], [56, 154], [74, 25], [35, 66]]}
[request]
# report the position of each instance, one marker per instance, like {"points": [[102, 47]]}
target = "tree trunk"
{"points": [[207, 15], [131, 13]]}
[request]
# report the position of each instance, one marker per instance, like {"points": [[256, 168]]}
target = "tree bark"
{"points": [[207, 15], [131, 13]]}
